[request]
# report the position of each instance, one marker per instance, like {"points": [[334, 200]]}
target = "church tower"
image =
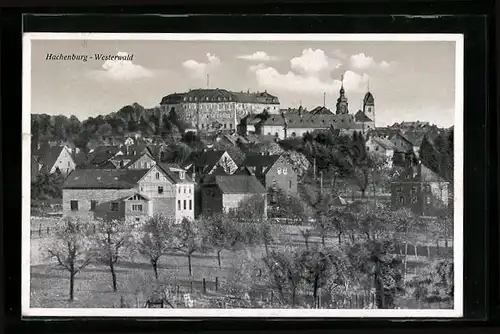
{"points": [[342, 106], [369, 105]]}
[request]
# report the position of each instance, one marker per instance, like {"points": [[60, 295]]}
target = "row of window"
{"points": [[185, 206], [414, 189], [186, 190], [414, 200], [284, 171]]}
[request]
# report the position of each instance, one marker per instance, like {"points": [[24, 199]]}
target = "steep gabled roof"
{"points": [[361, 117], [47, 156], [172, 172], [321, 110], [237, 184], [420, 173], [383, 142], [259, 160], [104, 178], [101, 154], [205, 160]]}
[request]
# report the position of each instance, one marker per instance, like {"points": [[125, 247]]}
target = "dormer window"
{"points": [[182, 175]]}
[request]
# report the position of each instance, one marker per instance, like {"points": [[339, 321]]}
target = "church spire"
{"points": [[342, 107]]}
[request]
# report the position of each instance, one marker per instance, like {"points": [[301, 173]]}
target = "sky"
{"points": [[410, 81]]}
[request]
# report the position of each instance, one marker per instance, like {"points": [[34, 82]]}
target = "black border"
{"points": [[478, 195]]}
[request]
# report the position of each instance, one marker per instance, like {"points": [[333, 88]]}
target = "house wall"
{"points": [[185, 194], [143, 162], [423, 198], [149, 184], [282, 180], [104, 198], [211, 200], [147, 210], [223, 112], [64, 162], [271, 130]]}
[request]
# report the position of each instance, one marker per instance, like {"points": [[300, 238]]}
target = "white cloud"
{"points": [[361, 61], [122, 69], [272, 79], [254, 68], [311, 62], [201, 69], [257, 56]]}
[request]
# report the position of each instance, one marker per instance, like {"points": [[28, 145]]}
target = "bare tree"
{"points": [[113, 238], [72, 249], [156, 239]]}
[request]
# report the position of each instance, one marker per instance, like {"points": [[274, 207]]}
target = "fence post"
{"points": [[416, 251], [191, 287], [216, 283], [40, 230], [204, 285], [48, 230], [428, 252], [178, 291]]}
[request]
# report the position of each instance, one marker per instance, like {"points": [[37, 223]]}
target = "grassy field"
{"points": [[93, 288]]}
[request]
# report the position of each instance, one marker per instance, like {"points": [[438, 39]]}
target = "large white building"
{"points": [[212, 109]]}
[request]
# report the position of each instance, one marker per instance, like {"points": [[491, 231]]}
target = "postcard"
{"points": [[242, 175]]}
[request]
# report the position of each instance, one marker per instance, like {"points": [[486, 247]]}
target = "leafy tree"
{"points": [[254, 206], [157, 238], [72, 248], [314, 266], [113, 240], [222, 233], [189, 238], [104, 130], [47, 185], [435, 283], [35, 134]]}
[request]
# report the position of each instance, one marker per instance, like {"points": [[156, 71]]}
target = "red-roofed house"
{"points": [[129, 193]]}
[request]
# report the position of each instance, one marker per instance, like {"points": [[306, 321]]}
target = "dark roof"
{"points": [[320, 110], [206, 160], [384, 142], [170, 171], [361, 117], [101, 154], [237, 184], [104, 178], [414, 137], [276, 120], [259, 160], [320, 121], [420, 173], [136, 157], [47, 155], [368, 99], [220, 95]]}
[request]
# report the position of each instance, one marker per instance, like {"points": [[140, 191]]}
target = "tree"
{"points": [[157, 238], [72, 248], [314, 265], [222, 233], [104, 130], [189, 238], [35, 134], [47, 185], [435, 283], [113, 239], [132, 126], [254, 206]]}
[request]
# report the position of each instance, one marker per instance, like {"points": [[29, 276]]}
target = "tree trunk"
{"points": [[307, 243], [315, 290], [189, 265], [406, 262], [113, 274], [154, 263], [293, 295], [340, 238], [72, 283], [323, 239], [218, 257]]}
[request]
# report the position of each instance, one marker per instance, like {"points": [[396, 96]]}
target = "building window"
{"points": [[182, 175], [114, 206], [414, 189], [74, 205], [93, 205], [184, 204], [160, 190], [427, 188], [136, 207], [401, 200], [414, 200], [142, 188], [398, 189], [427, 200], [224, 125], [184, 190], [179, 190], [190, 190], [190, 204], [230, 125], [279, 170], [157, 176], [147, 164], [294, 134], [290, 184], [285, 171], [138, 219], [179, 204]]}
